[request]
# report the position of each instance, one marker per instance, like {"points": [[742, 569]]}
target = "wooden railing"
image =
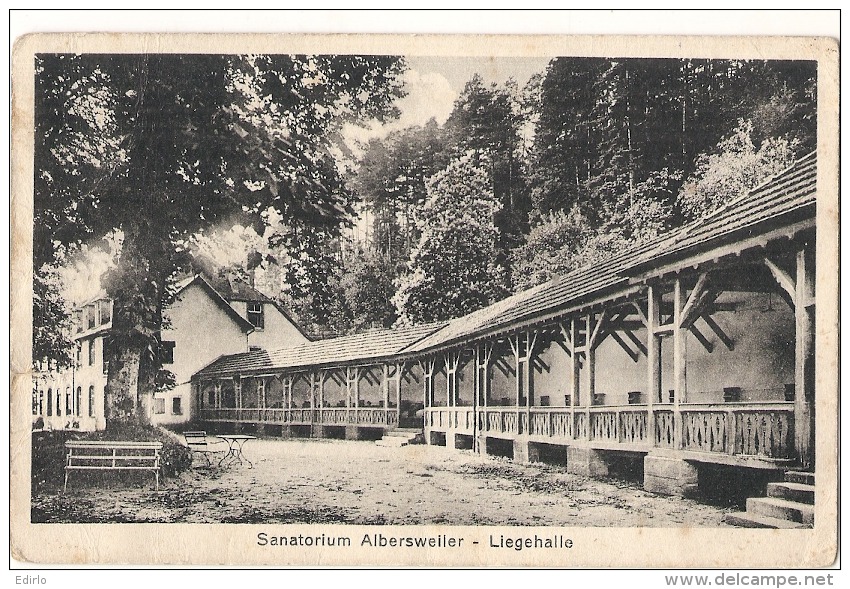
{"points": [[763, 430], [456, 418], [365, 416], [743, 429]]}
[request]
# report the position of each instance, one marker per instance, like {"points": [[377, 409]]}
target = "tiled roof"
{"points": [[789, 193], [236, 290], [335, 351]]}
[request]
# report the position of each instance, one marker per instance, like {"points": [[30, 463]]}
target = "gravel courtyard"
{"points": [[335, 481]]}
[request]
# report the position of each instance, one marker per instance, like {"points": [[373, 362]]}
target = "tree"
{"points": [[390, 178], [736, 167], [452, 271], [566, 136], [162, 147], [368, 288], [487, 121]]}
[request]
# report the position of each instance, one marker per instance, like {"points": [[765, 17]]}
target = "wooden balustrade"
{"points": [[762, 430], [342, 416]]}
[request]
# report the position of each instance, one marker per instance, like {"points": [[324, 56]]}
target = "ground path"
{"points": [[336, 481]]}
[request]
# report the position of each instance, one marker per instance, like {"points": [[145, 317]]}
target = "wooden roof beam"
{"points": [[718, 331], [701, 338], [784, 280], [626, 348]]}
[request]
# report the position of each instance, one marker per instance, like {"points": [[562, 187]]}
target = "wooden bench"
{"points": [[198, 443], [113, 455]]}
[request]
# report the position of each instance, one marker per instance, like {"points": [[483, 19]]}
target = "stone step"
{"points": [[392, 442], [782, 509], [749, 520], [792, 492], [403, 433], [800, 476]]}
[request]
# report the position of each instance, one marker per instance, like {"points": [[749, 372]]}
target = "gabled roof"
{"points": [[236, 290], [371, 345], [198, 279], [786, 197]]}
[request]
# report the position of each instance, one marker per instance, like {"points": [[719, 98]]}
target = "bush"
{"points": [[48, 452]]}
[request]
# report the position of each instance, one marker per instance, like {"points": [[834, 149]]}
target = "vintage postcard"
{"points": [[370, 300]]}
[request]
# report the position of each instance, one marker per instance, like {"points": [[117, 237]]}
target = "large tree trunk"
{"points": [[122, 403], [136, 287]]}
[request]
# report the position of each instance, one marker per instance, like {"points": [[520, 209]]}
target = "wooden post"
{"points": [[527, 382], [589, 372], [399, 375], [804, 377], [237, 389], [217, 394], [653, 360], [348, 394], [385, 386], [356, 388], [575, 383], [322, 379], [680, 351], [289, 383]]}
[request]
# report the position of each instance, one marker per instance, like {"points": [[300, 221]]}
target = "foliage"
{"points": [[452, 272], [734, 169], [551, 249], [488, 121], [390, 178], [48, 453], [162, 147], [368, 289], [52, 328]]}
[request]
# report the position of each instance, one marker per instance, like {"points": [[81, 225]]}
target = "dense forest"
{"points": [[523, 184], [174, 164]]}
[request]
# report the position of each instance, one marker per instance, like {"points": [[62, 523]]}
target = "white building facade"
{"points": [[203, 324]]}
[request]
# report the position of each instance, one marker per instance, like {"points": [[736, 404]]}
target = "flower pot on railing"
{"points": [[599, 398], [567, 400], [731, 394], [671, 394], [635, 397], [790, 392]]}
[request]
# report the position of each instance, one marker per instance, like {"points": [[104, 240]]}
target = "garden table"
{"points": [[234, 452]]}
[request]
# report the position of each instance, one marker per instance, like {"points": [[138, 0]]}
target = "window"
{"points": [[91, 351], [79, 348], [41, 402], [167, 352], [104, 352], [90, 316], [69, 401], [159, 406], [91, 401], [105, 312], [79, 401], [177, 406], [49, 402], [255, 314], [35, 402], [58, 401]]}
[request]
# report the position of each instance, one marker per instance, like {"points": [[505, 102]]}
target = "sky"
{"points": [[434, 83]]}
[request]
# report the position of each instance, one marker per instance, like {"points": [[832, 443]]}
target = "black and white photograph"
{"points": [[473, 305]]}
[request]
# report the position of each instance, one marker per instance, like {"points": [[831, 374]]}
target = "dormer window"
{"points": [[255, 314], [105, 312]]}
